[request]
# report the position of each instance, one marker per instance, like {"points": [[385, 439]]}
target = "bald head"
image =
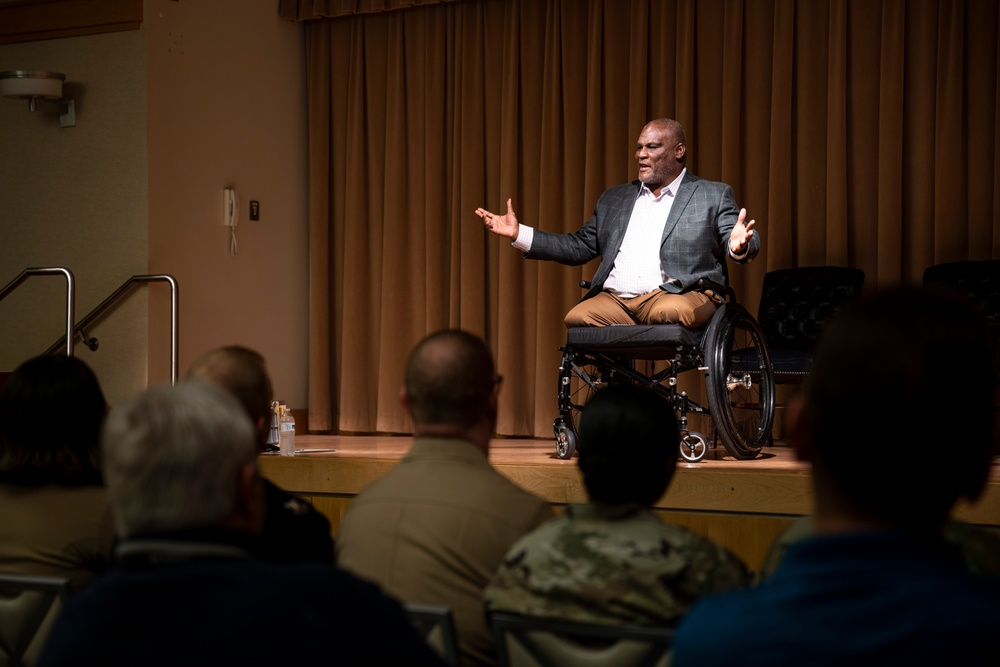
{"points": [[671, 127], [449, 379]]}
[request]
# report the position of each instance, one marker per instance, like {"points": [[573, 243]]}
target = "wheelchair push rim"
{"points": [[740, 382]]}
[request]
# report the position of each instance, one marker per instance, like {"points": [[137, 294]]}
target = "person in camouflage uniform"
{"points": [[613, 561]]}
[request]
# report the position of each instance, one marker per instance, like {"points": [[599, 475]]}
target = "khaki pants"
{"points": [[692, 309]]}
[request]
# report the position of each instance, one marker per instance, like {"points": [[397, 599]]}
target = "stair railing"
{"points": [[112, 298], [67, 339]]}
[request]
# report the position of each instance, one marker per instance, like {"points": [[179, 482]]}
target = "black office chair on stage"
{"points": [[730, 352], [977, 280], [29, 606], [795, 304], [525, 641]]}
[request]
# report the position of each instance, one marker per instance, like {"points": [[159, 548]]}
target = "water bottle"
{"points": [[286, 437]]}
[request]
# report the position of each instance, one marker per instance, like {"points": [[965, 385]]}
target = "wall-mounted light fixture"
{"points": [[43, 90]]}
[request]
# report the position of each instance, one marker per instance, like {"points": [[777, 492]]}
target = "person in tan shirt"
{"points": [[434, 529], [55, 516]]}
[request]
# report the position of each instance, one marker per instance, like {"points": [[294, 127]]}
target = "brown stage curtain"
{"points": [[856, 132]]}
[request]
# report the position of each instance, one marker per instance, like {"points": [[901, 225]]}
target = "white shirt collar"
{"points": [[670, 190]]}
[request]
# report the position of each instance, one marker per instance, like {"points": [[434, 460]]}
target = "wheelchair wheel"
{"points": [[693, 446], [579, 378], [740, 383], [565, 438]]}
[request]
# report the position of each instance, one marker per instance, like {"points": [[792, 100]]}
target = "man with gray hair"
{"points": [[191, 432], [180, 464]]}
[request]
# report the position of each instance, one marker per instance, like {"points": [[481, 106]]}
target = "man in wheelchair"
{"points": [[664, 241], [659, 238]]}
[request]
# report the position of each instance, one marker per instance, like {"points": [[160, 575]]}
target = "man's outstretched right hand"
{"points": [[504, 225]]}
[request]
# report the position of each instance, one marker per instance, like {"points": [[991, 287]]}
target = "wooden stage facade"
{"points": [[740, 504]]}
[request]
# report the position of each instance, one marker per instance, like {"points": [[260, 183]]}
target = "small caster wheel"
{"points": [[565, 439], [693, 446]]}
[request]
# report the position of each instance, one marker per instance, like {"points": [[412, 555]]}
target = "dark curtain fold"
{"points": [[857, 132]]}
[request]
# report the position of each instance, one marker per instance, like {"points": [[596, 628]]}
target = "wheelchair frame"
{"points": [[731, 353]]}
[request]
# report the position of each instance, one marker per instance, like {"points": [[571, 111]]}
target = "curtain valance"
{"points": [[305, 10]]}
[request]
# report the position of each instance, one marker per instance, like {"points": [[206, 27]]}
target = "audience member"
{"points": [[293, 529], [55, 518], [435, 527], [979, 547], [875, 582], [613, 561], [181, 469]]}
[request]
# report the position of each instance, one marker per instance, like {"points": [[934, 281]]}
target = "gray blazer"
{"points": [[694, 244]]}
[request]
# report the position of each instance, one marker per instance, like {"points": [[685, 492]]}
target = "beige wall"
{"points": [[227, 108], [76, 197], [206, 95]]}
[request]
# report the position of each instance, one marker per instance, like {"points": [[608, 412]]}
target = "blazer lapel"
{"points": [[622, 216], [681, 199], [618, 222]]}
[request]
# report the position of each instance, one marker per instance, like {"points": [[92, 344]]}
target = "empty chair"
{"points": [[28, 608], [524, 641], [794, 305], [978, 280]]}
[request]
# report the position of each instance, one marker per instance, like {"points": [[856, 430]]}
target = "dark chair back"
{"points": [[29, 606], [437, 626], [977, 280], [795, 304], [526, 641]]}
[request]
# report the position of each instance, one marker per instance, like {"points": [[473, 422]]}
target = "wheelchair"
{"points": [[730, 352]]}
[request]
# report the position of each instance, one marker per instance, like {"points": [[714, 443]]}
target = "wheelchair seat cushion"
{"points": [[636, 341]]}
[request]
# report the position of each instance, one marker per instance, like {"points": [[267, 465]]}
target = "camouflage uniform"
{"points": [[615, 565]]}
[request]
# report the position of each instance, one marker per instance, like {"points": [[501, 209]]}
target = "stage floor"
{"points": [[742, 504], [774, 483], [506, 451]]}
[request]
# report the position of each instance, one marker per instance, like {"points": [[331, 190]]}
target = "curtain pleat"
{"points": [[856, 132], [951, 229], [986, 126], [323, 171], [779, 221], [836, 78], [888, 230]]}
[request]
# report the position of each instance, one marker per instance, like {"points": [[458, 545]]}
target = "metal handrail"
{"points": [[92, 342], [67, 339]]}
